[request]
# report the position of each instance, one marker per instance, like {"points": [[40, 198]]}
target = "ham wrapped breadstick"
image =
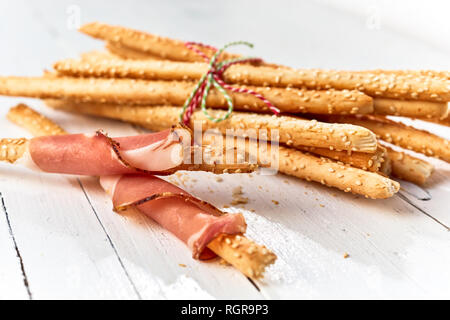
{"points": [[142, 92], [291, 130], [159, 153], [291, 161], [206, 230]]}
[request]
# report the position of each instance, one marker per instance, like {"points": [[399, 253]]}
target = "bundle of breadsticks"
{"points": [[334, 128]]}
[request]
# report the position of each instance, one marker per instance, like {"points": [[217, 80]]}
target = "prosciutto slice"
{"points": [[193, 221], [98, 155]]}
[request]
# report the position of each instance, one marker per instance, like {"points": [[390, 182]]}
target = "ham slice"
{"points": [[193, 221], [97, 155]]}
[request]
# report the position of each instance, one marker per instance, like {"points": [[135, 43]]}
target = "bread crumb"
{"points": [[322, 205], [182, 265], [346, 255], [219, 179], [237, 196], [276, 202], [223, 262]]}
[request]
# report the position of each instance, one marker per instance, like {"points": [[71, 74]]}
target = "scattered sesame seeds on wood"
{"points": [[237, 195]]}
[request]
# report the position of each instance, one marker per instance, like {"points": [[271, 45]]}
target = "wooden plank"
{"points": [[64, 250], [394, 250], [52, 230], [13, 281]]}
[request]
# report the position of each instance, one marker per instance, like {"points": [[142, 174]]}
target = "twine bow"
{"points": [[214, 78]]}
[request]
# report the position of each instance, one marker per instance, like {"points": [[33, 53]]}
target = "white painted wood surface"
{"points": [[59, 235]]}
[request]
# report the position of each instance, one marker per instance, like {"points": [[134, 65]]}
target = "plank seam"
{"points": [[16, 248], [110, 242], [405, 199]]}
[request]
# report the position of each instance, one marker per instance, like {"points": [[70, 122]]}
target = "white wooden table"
{"points": [[60, 239]]}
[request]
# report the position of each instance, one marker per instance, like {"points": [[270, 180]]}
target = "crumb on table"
{"points": [[237, 196]]}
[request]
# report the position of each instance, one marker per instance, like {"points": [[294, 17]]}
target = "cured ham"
{"points": [[96, 155], [193, 221], [160, 153]]}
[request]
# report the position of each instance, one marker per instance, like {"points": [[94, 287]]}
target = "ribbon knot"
{"points": [[213, 78]]}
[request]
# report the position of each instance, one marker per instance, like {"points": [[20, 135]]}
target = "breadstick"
{"points": [[140, 92], [330, 173], [413, 73], [376, 85], [443, 122], [97, 55], [34, 122], [244, 254], [386, 166], [288, 100], [26, 117], [365, 161], [148, 43], [409, 168], [401, 135], [325, 171], [128, 53], [412, 109], [12, 150], [290, 129]]}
